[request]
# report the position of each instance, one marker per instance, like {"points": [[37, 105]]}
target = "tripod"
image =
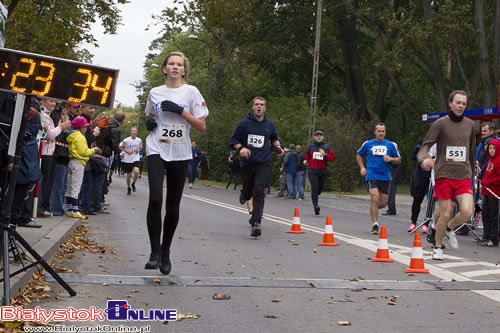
{"points": [[431, 202], [9, 235]]}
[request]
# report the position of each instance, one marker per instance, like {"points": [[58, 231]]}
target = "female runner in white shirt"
{"points": [[171, 110]]}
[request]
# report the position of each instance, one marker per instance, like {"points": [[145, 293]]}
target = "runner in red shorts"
{"points": [[454, 167]]}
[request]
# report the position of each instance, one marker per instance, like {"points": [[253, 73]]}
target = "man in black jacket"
{"points": [[253, 138]]}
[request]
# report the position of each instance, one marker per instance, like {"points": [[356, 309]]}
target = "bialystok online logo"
{"points": [[115, 311]]}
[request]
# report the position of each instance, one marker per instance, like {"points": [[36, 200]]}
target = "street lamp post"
{"points": [[137, 87], [209, 81]]}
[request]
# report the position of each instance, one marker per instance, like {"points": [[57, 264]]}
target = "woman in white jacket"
{"points": [[47, 105]]}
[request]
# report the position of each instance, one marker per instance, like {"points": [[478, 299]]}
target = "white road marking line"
{"points": [[493, 294], [457, 264], [481, 272]]}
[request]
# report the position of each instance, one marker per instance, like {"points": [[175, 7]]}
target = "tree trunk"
{"points": [[353, 81], [489, 91], [437, 72], [497, 41], [380, 108]]}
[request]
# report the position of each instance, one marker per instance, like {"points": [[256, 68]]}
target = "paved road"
{"points": [[213, 253]]}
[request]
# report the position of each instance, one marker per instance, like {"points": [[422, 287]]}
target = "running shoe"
{"points": [[425, 229], [45, 213], [78, 215], [437, 254], [375, 229], [412, 227], [316, 210], [242, 199], [133, 187], [256, 232], [483, 242], [129, 192], [452, 239]]}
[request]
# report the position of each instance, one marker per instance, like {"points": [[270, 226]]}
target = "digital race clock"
{"points": [[76, 82]]}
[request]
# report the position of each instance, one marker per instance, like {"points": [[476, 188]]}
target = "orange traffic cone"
{"points": [[328, 236], [417, 257], [296, 224], [383, 248]]}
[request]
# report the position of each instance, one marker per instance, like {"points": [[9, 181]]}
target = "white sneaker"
{"points": [[78, 215], [437, 254], [452, 239]]}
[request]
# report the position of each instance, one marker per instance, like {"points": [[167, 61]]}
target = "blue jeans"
{"points": [[290, 183], [192, 170], [86, 191], [300, 177], [57, 198]]}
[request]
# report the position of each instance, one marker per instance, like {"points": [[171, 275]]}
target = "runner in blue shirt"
{"points": [[380, 154]]}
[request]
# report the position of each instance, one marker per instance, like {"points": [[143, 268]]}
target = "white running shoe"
{"points": [[437, 254], [452, 239], [78, 215]]}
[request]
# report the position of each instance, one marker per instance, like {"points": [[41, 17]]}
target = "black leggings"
{"points": [[317, 178], [176, 177]]}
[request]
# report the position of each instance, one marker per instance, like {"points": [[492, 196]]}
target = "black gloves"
{"points": [[150, 123], [171, 107]]}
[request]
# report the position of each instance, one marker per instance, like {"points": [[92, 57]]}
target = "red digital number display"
{"points": [[35, 74]]}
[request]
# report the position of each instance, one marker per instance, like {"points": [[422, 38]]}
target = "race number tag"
{"points": [[317, 156], [172, 133], [379, 150], [455, 154], [256, 141]]}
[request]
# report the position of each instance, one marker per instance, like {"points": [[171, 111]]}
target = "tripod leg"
{"points": [[5, 257], [42, 262]]}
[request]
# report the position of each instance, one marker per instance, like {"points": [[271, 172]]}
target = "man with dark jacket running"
{"points": [[252, 138]]}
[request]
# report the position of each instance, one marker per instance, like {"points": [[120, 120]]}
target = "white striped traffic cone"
{"points": [[296, 224]]}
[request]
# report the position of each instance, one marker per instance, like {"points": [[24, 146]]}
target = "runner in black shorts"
{"points": [[380, 154]]}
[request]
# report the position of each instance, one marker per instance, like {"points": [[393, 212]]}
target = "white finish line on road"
{"points": [[398, 252]]}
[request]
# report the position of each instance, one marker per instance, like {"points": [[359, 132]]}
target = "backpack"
{"points": [[101, 121]]}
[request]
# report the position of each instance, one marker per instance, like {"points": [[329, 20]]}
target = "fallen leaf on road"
{"points": [[134, 291], [271, 316], [344, 323], [221, 296], [277, 300], [106, 284], [331, 302], [182, 316], [356, 290], [162, 293], [372, 297], [156, 281]]}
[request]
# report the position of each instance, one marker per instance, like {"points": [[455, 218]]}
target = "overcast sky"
{"points": [[127, 49]]}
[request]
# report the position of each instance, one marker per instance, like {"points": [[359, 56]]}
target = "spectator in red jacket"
{"points": [[490, 188]]}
